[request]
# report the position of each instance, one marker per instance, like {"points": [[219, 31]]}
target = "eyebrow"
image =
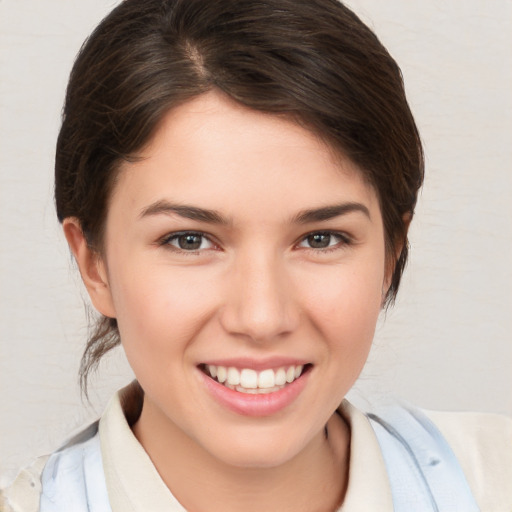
{"points": [[163, 207], [330, 212], [188, 212]]}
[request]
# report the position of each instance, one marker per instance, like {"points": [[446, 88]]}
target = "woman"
{"points": [[236, 181]]}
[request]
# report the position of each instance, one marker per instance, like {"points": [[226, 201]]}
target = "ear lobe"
{"points": [[92, 267]]}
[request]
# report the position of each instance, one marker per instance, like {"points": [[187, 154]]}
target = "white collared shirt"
{"points": [[481, 442]]}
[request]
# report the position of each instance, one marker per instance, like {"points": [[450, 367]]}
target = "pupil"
{"points": [[189, 242], [319, 240]]}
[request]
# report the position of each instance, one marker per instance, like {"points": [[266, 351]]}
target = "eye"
{"points": [[324, 240], [188, 241]]}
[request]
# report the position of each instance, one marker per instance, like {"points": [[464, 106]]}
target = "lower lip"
{"points": [[263, 404]]}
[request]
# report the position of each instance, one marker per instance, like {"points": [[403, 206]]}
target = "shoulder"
{"points": [[24, 493], [454, 454], [482, 444]]}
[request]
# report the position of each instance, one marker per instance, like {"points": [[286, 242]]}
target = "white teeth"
{"points": [[233, 376], [247, 380], [266, 379], [280, 378], [249, 391], [221, 371], [258, 391]]}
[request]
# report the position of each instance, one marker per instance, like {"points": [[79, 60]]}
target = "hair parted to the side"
{"points": [[311, 60]]}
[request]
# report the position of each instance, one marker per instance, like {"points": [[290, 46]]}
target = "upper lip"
{"points": [[257, 364]]}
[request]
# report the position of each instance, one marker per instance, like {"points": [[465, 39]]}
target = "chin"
{"points": [[259, 449]]}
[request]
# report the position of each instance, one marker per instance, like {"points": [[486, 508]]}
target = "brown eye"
{"points": [[188, 241], [319, 240], [324, 240]]}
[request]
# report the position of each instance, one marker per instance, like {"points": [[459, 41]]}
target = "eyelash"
{"points": [[166, 241], [343, 241]]}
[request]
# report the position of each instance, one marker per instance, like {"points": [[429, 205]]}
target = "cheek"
{"points": [[344, 303], [346, 287], [159, 311]]}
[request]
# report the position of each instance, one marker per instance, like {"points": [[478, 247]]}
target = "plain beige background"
{"points": [[446, 344]]}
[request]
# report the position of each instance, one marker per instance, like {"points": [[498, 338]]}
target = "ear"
{"points": [[393, 259], [92, 267]]}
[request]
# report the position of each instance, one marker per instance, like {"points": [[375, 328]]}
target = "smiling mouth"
{"points": [[247, 380]]}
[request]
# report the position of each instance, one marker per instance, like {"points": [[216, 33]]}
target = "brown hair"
{"points": [[312, 60]]}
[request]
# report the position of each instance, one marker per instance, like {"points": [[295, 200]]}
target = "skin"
{"points": [[254, 289]]}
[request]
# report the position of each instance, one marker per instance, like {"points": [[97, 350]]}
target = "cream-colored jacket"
{"points": [[481, 442]]}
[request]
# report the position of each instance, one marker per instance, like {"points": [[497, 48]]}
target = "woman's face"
{"points": [[239, 248]]}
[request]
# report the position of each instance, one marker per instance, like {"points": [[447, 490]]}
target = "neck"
{"points": [[314, 480]]}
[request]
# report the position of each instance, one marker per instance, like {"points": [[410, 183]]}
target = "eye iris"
{"points": [[319, 240], [190, 241]]}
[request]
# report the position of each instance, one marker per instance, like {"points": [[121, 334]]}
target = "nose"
{"points": [[260, 304]]}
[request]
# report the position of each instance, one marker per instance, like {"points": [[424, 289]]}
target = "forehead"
{"points": [[219, 153]]}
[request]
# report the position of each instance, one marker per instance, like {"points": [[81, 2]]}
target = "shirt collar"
{"points": [[134, 484]]}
